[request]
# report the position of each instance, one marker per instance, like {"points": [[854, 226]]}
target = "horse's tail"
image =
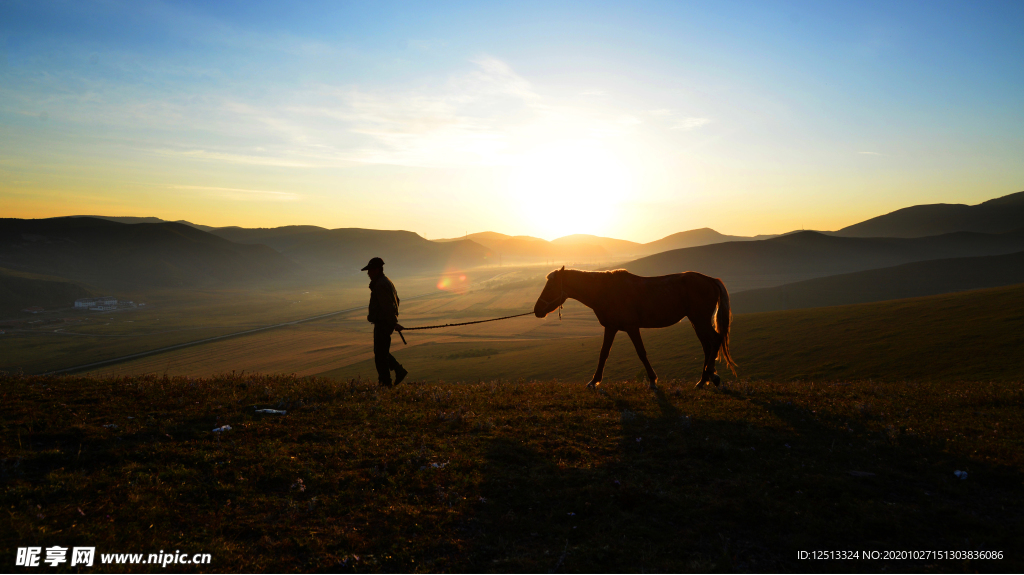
{"points": [[722, 320]]}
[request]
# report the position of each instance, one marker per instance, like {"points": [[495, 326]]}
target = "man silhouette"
{"points": [[383, 314]]}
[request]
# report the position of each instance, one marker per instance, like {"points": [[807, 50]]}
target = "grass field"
{"points": [[971, 336], [520, 477], [335, 342], [842, 433], [66, 338]]}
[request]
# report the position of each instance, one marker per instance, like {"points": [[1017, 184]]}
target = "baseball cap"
{"points": [[374, 263]]}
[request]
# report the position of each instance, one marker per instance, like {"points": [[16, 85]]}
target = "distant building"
{"points": [[96, 303]]}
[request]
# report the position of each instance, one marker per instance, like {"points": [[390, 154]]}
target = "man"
{"points": [[383, 315]]}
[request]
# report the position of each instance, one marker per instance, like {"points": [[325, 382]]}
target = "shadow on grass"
{"points": [[685, 493], [502, 477]]}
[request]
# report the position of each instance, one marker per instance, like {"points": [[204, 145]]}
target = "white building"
{"points": [[105, 302]]}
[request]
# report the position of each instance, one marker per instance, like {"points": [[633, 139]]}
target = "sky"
{"points": [[633, 120]]}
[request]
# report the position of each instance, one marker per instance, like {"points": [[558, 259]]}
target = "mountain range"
{"points": [[993, 216], [146, 220], [140, 253], [111, 255], [805, 255], [346, 250], [589, 248], [915, 279]]}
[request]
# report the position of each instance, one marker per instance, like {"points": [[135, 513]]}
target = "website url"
{"points": [[162, 559], [85, 556]]}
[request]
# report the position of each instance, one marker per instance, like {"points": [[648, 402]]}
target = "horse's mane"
{"points": [[610, 272]]}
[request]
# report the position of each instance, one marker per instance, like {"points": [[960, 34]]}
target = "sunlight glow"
{"points": [[451, 282], [568, 187]]}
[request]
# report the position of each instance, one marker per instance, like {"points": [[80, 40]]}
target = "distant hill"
{"points": [[806, 255], [346, 250], [512, 248], [610, 247], [146, 220], [916, 279], [589, 248], [994, 216], [281, 238], [108, 254], [19, 290], [693, 238]]}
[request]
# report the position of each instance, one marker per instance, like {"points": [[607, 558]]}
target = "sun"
{"points": [[568, 187]]}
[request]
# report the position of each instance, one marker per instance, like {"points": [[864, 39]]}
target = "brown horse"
{"points": [[627, 302]]}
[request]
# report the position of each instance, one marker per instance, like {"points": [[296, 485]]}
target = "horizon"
{"points": [[509, 235], [630, 122]]}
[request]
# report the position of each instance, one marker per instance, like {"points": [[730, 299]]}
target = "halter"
{"points": [[561, 293]]}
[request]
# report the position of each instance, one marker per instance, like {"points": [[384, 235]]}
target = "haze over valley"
{"points": [[199, 282]]}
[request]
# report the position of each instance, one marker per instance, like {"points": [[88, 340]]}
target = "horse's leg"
{"points": [[638, 343], [710, 341], [606, 347]]}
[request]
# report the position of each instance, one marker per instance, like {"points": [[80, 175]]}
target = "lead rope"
{"points": [[560, 289], [457, 324]]}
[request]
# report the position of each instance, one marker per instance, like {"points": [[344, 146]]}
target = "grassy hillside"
{"points": [[905, 281], [806, 255], [113, 255], [326, 344], [997, 215], [21, 290], [346, 250], [514, 477], [971, 336]]}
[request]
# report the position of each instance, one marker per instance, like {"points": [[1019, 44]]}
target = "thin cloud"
{"points": [[674, 122], [244, 194], [870, 153], [691, 123], [201, 154], [483, 117]]}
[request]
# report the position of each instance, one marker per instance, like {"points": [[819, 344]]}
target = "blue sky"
{"points": [[632, 120]]}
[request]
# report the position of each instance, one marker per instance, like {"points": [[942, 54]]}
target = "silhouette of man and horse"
{"points": [[622, 302], [626, 302]]}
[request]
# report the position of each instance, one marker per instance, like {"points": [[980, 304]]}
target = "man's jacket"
{"points": [[383, 301]]}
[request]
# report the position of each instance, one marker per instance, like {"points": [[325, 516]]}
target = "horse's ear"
{"points": [[563, 268]]}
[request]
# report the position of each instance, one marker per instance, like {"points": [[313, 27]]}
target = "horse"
{"points": [[626, 302]]}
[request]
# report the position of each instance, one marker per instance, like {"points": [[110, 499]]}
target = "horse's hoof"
{"points": [[716, 380], [593, 384], [700, 384], [653, 387]]}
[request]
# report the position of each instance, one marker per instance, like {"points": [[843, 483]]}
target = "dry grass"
{"points": [[972, 336], [514, 476]]}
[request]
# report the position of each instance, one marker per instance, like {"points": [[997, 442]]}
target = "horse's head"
{"points": [[553, 295]]}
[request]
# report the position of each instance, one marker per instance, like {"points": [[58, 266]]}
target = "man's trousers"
{"points": [[382, 358]]}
